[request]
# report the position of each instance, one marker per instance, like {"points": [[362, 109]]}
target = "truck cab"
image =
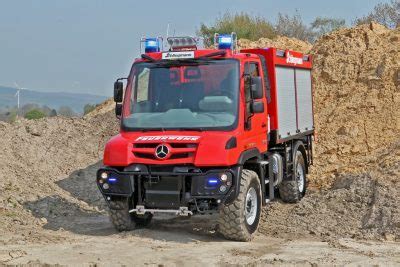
{"points": [[207, 131]]}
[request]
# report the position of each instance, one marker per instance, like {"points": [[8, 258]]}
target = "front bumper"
{"points": [[169, 187]]}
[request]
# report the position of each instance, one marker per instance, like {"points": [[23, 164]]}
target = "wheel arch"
{"points": [[299, 146], [248, 159]]}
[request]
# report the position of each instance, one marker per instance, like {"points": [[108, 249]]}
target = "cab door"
{"points": [[255, 131]]}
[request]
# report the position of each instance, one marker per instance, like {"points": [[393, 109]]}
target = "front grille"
{"points": [[180, 156], [177, 151], [144, 155], [151, 145]]}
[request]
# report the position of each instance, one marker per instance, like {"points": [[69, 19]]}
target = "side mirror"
{"points": [[257, 107], [256, 88], [118, 110], [118, 91]]}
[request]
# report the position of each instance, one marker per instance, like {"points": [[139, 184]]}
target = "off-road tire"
{"points": [[120, 216], [232, 223], [142, 220], [289, 190]]}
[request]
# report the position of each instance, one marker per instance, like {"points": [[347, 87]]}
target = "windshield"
{"points": [[197, 94]]}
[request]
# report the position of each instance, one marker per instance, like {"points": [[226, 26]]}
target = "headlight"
{"points": [[224, 177]]}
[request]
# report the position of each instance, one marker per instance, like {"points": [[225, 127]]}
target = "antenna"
{"points": [[167, 30], [167, 33]]}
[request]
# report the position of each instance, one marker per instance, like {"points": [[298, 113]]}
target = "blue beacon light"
{"points": [[151, 45], [226, 41]]}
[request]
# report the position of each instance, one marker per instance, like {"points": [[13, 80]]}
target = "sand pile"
{"points": [[363, 206], [107, 106], [357, 97], [35, 156], [279, 42]]}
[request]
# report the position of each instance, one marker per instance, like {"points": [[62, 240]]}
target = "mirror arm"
{"points": [[121, 79]]}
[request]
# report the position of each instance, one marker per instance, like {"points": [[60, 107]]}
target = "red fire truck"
{"points": [[209, 131]]}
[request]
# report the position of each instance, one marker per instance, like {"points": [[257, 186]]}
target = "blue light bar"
{"points": [[151, 45]]}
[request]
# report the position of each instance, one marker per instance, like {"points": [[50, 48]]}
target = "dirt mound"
{"points": [[105, 107], [35, 157], [357, 206], [279, 42], [356, 81]]}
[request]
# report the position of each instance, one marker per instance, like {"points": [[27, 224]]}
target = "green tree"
{"points": [[88, 108], [294, 27], [66, 111], [34, 114], [323, 25], [245, 25], [53, 113], [387, 14]]}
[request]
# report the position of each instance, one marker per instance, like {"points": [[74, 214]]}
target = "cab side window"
{"points": [[251, 69]]}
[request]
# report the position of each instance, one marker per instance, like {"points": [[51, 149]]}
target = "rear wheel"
{"points": [[239, 220], [293, 190]]}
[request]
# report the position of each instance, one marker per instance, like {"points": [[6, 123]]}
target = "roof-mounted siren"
{"points": [[226, 41], [185, 43], [151, 45]]}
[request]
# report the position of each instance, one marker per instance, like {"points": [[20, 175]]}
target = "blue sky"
{"points": [[82, 46]]}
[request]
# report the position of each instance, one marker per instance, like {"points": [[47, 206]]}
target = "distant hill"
{"points": [[53, 100]]}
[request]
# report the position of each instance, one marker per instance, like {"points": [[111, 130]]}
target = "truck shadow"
{"points": [[83, 211]]}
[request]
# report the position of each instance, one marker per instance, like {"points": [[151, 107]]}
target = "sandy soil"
{"points": [[72, 234], [182, 242]]}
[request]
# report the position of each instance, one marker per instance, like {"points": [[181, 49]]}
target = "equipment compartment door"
{"points": [[304, 100], [286, 100]]}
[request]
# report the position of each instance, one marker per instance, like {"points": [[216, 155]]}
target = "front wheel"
{"points": [[239, 220], [123, 220]]}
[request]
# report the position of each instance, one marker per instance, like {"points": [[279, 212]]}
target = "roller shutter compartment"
{"points": [[304, 100], [286, 100]]}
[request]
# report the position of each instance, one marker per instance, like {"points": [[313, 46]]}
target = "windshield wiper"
{"points": [[171, 129], [213, 54], [187, 129], [152, 129]]}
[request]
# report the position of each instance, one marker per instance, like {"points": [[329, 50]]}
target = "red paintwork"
{"points": [[272, 60], [209, 148]]}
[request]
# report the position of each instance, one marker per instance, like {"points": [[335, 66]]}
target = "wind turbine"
{"points": [[17, 95]]}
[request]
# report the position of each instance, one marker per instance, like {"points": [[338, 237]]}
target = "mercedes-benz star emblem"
{"points": [[162, 151]]}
